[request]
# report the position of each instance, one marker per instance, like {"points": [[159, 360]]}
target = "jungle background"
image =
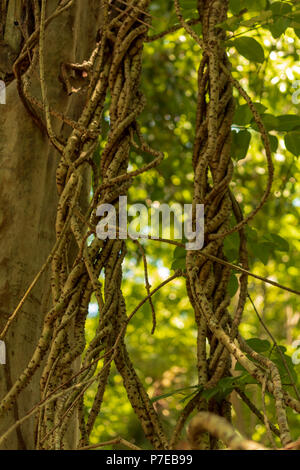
{"points": [[269, 71], [142, 101]]}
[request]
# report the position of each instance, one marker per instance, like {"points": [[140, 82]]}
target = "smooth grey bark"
{"points": [[28, 199]]}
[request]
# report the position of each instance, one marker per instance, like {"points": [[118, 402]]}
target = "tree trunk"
{"points": [[28, 196]]}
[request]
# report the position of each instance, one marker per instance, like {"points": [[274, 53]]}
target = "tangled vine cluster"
{"points": [[69, 365]]}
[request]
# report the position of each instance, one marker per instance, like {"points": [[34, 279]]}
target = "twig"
{"points": [[266, 421], [173, 29], [255, 411], [117, 440]]}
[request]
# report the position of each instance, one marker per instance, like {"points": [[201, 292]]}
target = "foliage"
{"points": [[263, 47]]}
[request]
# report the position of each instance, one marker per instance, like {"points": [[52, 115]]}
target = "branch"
{"points": [[221, 429]]}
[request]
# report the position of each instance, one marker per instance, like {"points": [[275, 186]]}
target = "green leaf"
{"points": [[233, 285], [277, 359], [178, 264], [262, 251], [179, 256], [256, 5], [190, 395], [243, 114], [279, 27], [259, 345], [240, 144], [282, 348], [280, 20], [251, 234], [224, 387], [198, 29], [273, 142], [271, 122], [179, 252], [257, 19], [250, 49], [188, 5], [232, 24], [280, 243], [288, 122], [235, 6], [227, 384], [292, 142], [173, 392], [231, 247], [295, 16], [210, 393], [246, 379], [280, 8]]}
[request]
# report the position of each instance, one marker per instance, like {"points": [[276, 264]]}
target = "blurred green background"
{"points": [[166, 361]]}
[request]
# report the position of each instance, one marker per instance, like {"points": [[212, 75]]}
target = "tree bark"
{"points": [[28, 200]]}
